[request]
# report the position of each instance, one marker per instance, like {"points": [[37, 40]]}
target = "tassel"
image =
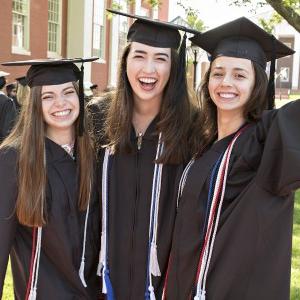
{"points": [[32, 295], [81, 273], [102, 254], [154, 266], [109, 288], [99, 268], [202, 295], [152, 294], [104, 288]]}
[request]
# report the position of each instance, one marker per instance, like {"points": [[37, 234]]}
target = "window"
{"points": [[99, 29], [54, 26], [20, 25], [284, 74]]}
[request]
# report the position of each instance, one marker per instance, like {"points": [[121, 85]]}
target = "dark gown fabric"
{"points": [[130, 184], [62, 236], [252, 253], [7, 116]]}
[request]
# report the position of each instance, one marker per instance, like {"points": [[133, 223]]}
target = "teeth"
{"points": [[147, 80], [62, 113], [227, 95]]}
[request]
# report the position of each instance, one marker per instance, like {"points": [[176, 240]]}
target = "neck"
{"points": [[229, 123], [61, 136], [143, 114]]}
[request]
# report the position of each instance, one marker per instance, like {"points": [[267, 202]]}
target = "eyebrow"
{"points": [[156, 54], [235, 69], [50, 92]]}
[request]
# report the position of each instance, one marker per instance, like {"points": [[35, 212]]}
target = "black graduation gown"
{"points": [[62, 237], [252, 252], [7, 116], [130, 184]]}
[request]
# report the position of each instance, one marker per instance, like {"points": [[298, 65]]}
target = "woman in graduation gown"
{"points": [[146, 129], [232, 237], [49, 210]]}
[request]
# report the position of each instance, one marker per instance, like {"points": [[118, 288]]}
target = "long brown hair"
{"points": [[174, 116], [28, 138], [205, 128]]}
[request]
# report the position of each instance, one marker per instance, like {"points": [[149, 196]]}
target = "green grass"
{"points": [[295, 280]]}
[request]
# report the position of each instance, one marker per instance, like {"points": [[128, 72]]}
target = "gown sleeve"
{"points": [[279, 170], [8, 220]]}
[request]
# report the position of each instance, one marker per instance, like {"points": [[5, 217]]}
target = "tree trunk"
{"points": [[289, 14]]}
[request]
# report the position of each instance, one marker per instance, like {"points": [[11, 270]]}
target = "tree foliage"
{"points": [[284, 9], [191, 17]]}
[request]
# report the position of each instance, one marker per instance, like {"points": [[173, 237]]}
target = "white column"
{"points": [[87, 36], [296, 61], [114, 46]]}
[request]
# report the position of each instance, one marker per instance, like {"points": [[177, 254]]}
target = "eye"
{"points": [[138, 57], [69, 92], [217, 74], [161, 58], [240, 76], [47, 97]]}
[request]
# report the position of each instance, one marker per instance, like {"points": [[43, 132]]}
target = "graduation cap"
{"points": [[242, 38], [3, 74], [159, 34], [56, 71], [22, 80], [11, 86]]}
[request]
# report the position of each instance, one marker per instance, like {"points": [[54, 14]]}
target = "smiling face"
{"points": [[148, 71], [231, 82], [60, 106]]}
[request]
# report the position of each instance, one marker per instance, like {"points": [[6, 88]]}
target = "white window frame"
{"points": [[96, 25], [24, 49], [57, 53]]}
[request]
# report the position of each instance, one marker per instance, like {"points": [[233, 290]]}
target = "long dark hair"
{"points": [[174, 116], [28, 138], [205, 128]]}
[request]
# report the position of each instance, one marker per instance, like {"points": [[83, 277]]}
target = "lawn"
{"points": [[295, 281]]}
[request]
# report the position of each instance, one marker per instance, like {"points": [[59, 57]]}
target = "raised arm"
{"points": [[279, 171]]}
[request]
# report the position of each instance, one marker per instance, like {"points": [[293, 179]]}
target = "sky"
{"points": [[214, 12]]}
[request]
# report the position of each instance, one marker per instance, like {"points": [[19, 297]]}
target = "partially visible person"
{"points": [[22, 92], [233, 231], [7, 109], [11, 90], [94, 89], [49, 205]]}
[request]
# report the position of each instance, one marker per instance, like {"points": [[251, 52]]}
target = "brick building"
{"points": [[33, 29]]}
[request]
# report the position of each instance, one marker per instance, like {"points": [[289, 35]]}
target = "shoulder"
{"points": [[8, 156]]}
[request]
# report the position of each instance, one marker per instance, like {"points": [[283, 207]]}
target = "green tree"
{"points": [[284, 9], [191, 17]]}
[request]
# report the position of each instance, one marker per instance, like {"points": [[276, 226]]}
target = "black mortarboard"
{"points": [[154, 33], [22, 80], [242, 38], [56, 71]]}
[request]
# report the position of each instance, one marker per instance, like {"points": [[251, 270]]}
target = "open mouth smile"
{"points": [[147, 83], [62, 113]]}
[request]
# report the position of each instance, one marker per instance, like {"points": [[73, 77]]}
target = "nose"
{"points": [[149, 66], [59, 101], [227, 80]]}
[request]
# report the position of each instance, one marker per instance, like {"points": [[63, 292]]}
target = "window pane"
{"points": [[20, 23], [54, 25]]}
